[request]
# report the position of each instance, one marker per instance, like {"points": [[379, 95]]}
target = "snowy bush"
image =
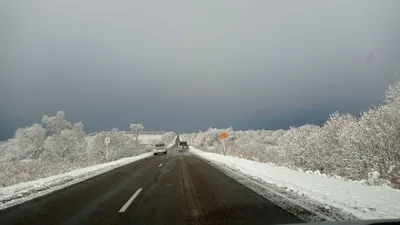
{"points": [[121, 145], [374, 178], [58, 146], [297, 144], [256, 145], [28, 170], [8, 151], [29, 142], [69, 145]]}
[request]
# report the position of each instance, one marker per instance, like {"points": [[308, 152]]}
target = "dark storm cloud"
{"points": [[183, 65]]}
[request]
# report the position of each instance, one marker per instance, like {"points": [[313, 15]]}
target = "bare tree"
{"points": [[136, 128]]}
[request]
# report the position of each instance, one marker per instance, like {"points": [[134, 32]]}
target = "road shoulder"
{"points": [[303, 207]]}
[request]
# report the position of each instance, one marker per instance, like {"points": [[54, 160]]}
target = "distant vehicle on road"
{"points": [[183, 146], [160, 148]]}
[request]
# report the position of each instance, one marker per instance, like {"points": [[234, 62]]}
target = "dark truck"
{"points": [[183, 146]]}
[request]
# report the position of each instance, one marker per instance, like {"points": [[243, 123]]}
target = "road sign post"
{"points": [[223, 136], [224, 146]]}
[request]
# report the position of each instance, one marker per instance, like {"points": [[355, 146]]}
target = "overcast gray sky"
{"points": [[188, 65]]}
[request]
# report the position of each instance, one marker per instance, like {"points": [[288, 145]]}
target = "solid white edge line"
{"points": [[160, 165], [130, 200]]}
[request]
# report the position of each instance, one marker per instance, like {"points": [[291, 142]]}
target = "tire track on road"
{"points": [[192, 207]]}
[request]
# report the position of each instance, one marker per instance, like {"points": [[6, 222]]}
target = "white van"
{"points": [[160, 148]]}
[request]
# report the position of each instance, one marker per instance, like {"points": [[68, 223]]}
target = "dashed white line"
{"points": [[130, 200], [160, 165]]}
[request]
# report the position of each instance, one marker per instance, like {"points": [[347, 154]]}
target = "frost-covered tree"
{"points": [[102, 151], [55, 124], [381, 140], [121, 145], [9, 151], [297, 143], [136, 129], [328, 143], [69, 145], [29, 141], [392, 95]]}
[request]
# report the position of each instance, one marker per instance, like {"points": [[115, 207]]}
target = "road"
{"points": [[177, 188]]}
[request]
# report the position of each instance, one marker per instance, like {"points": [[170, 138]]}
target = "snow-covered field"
{"points": [[149, 138], [363, 202], [143, 138], [16, 194]]}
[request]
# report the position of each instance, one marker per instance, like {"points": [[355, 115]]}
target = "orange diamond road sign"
{"points": [[223, 135]]}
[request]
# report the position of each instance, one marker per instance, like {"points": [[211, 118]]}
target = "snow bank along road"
{"points": [[177, 188]]}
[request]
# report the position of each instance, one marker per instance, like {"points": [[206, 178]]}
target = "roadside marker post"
{"points": [[223, 136]]}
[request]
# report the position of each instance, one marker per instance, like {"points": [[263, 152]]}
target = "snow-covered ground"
{"points": [[352, 198], [143, 138], [16, 194], [172, 142], [149, 138]]}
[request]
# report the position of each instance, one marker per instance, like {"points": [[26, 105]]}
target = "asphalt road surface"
{"points": [[177, 188]]}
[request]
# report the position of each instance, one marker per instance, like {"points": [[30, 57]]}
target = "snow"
{"points": [[143, 138], [19, 193], [148, 138], [172, 142], [364, 202], [89, 139], [170, 145]]}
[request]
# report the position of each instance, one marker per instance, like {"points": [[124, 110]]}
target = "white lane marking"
{"points": [[130, 200], [160, 165], [167, 157]]}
